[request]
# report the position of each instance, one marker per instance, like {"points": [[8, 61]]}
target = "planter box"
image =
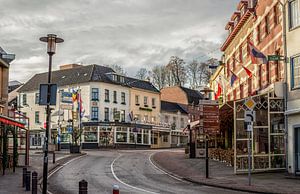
{"points": [[74, 149]]}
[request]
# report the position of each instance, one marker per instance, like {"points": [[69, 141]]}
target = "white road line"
{"points": [[163, 171], [130, 186], [57, 169]]}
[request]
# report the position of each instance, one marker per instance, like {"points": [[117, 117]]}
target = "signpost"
{"points": [[250, 117]]}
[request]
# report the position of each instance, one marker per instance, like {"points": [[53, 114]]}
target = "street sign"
{"points": [[250, 103], [250, 116], [275, 58], [249, 128], [43, 97]]}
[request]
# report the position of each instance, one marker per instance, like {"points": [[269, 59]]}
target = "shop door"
{"points": [[297, 150]]}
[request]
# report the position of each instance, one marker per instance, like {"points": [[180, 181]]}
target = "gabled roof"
{"points": [[172, 107], [193, 96], [83, 74]]}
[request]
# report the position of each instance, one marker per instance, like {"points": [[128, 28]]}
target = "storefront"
{"points": [[267, 136], [115, 135], [178, 138]]}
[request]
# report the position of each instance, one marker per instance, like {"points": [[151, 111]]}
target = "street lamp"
{"points": [[192, 145], [51, 41]]}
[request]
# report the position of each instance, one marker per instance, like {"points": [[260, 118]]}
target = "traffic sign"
{"points": [[250, 103], [250, 116], [249, 128]]}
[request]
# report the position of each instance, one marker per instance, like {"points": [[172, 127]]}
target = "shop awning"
{"points": [[10, 121]]}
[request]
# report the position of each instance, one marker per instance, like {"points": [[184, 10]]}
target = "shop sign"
{"points": [[66, 97]]}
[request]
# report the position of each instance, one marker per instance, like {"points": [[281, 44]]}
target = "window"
{"points": [[145, 117], [122, 115], [258, 33], [37, 98], [250, 86], [106, 93], [241, 54], [115, 97], [241, 91], [234, 94], [123, 98], [153, 103], [137, 100], [295, 69], [165, 138], [90, 134], [166, 119], [145, 101], [233, 62], [182, 122], [24, 99], [95, 94], [37, 117], [106, 114], [95, 113], [294, 13], [121, 133], [267, 24]]}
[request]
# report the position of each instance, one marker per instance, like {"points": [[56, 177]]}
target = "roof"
{"points": [[141, 84], [172, 107], [193, 96], [83, 74]]}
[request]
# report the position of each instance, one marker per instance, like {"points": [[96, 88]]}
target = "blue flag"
{"points": [[233, 78]]}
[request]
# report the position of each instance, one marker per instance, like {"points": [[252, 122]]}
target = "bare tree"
{"points": [[193, 72], [177, 69], [142, 74], [159, 76]]}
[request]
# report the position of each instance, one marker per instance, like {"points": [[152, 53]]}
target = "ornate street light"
{"points": [[51, 41]]}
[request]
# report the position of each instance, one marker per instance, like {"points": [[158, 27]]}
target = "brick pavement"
{"points": [[221, 175], [11, 183]]}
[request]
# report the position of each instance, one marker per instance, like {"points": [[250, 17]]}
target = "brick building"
{"points": [[257, 23]]}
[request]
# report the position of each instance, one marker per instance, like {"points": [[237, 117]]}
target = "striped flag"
{"points": [[257, 57], [233, 78]]}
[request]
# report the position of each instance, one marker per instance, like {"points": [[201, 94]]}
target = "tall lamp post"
{"points": [[51, 40]]}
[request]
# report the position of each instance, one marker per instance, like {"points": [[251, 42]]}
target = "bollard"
{"points": [[27, 180], [83, 187], [34, 183], [116, 189], [24, 176], [53, 158]]}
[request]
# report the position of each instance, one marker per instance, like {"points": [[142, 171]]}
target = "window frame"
{"points": [[123, 98], [95, 112], [290, 15], [137, 100], [115, 97], [95, 94], [293, 72], [37, 117], [106, 95], [146, 101], [106, 114], [24, 99]]}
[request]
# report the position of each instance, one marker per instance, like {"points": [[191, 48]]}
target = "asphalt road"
{"points": [[131, 170]]}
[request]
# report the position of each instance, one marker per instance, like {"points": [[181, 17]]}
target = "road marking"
{"points": [[163, 171], [130, 186], [60, 167]]}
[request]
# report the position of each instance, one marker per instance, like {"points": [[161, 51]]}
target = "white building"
{"points": [[105, 108], [176, 118]]}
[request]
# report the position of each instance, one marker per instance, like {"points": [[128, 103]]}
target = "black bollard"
{"points": [[53, 158], [83, 187], [34, 183], [27, 180], [24, 176]]}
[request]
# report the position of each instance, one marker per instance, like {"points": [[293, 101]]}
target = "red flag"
{"points": [[249, 73], [218, 94]]}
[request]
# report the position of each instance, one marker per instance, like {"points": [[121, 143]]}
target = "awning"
{"points": [[10, 121]]}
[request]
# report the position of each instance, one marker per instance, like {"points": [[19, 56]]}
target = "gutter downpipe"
{"points": [[283, 4]]}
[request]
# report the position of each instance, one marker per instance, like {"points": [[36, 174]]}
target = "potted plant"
{"points": [[75, 145]]}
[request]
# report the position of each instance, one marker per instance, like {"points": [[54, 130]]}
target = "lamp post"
{"points": [[192, 145], [51, 41]]}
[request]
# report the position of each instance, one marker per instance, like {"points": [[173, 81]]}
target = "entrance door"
{"points": [[297, 150]]}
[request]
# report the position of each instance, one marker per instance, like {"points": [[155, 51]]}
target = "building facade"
{"points": [[292, 16], [106, 111], [256, 24]]}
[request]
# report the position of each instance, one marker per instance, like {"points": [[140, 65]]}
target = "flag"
{"points": [[233, 78], [218, 94], [131, 116], [249, 73], [257, 57]]}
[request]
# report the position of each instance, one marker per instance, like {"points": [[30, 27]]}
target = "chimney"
{"points": [[69, 66]]}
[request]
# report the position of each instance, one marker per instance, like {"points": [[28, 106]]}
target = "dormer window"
{"points": [[122, 79]]}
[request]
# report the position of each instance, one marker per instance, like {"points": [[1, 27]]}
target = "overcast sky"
{"points": [[131, 33]]}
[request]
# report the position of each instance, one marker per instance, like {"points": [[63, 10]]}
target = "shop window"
{"points": [[121, 133], [90, 136], [146, 136], [106, 94], [165, 138], [139, 137], [115, 97], [37, 117], [123, 98], [95, 94], [294, 13], [37, 98], [295, 72]]}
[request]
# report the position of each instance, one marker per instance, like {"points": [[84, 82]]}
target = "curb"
{"points": [[56, 166], [208, 184]]}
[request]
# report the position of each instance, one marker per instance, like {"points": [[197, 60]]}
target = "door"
{"points": [[297, 150]]}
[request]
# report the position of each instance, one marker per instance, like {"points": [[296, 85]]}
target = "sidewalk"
{"points": [[221, 175], [11, 183]]}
